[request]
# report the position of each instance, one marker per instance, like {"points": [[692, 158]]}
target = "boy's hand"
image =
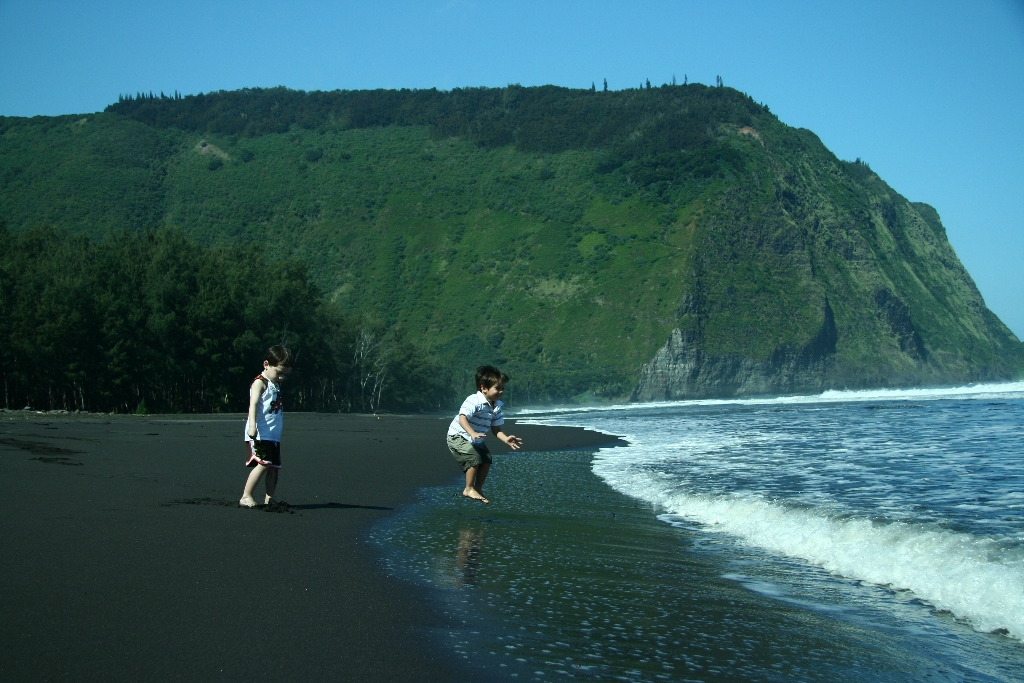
{"points": [[478, 435], [514, 442]]}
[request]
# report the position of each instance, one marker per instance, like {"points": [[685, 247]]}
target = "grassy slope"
{"points": [[570, 276], [89, 173], [522, 252]]}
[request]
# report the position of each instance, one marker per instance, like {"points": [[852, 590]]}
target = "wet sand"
{"points": [[125, 556]]}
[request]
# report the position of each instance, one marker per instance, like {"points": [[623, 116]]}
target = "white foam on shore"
{"points": [[973, 578], [976, 577], [974, 391]]}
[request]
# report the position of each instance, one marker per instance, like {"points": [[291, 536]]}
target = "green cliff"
{"points": [[655, 243]]}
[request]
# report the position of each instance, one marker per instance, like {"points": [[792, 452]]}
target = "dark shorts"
{"points": [[266, 453], [467, 453]]}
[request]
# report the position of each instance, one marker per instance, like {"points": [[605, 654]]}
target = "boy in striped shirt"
{"points": [[479, 413]]}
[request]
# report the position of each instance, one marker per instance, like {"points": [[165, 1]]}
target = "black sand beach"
{"points": [[125, 556]]}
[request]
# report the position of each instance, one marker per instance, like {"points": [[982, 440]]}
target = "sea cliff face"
{"points": [[831, 281], [682, 369]]}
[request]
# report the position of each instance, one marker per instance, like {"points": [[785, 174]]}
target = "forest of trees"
{"points": [[538, 119], [151, 322]]}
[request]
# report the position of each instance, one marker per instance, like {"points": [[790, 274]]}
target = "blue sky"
{"points": [[931, 94]]}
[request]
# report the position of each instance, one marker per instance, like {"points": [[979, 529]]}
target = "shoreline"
{"points": [[126, 557], [712, 548]]}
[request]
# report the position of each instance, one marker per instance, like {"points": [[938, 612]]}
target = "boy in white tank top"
{"points": [[265, 423]]}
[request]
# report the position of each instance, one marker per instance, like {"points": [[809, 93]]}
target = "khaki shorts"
{"points": [[468, 454]]}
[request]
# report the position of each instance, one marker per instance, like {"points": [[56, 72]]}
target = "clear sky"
{"points": [[930, 93]]}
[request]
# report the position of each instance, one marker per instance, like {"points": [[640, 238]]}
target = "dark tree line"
{"points": [[541, 119], [153, 322]]}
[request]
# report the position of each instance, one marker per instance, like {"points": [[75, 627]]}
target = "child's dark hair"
{"points": [[279, 355], [488, 375]]}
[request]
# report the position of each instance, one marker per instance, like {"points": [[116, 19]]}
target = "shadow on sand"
{"points": [[275, 506], [317, 506]]}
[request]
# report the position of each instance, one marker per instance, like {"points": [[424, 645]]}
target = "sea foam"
{"points": [[968, 576], [967, 392], [925, 501]]}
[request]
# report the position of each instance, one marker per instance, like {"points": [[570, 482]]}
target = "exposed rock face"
{"points": [[682, 370], [896, 315]]}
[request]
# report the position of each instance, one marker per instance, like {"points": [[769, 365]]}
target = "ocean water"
{"points": [[861, 536]]}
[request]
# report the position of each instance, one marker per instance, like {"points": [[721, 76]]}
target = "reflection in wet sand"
{"points": [[467, 557]]}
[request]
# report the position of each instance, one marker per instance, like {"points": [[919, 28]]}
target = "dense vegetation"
{"points": [[560, 233], [154, 322], [545, 119]]}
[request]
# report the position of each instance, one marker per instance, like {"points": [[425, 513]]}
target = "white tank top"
{"points": [[269, 413]]}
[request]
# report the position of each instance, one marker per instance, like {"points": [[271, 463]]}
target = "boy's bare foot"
{"points": [[247, 502], [475, 495]]}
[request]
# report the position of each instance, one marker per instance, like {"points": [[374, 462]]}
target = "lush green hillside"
{"points": [[562, 233]]}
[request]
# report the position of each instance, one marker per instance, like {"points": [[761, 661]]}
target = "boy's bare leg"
{"points": [[271, 484], [481, 477], [470, 491], [250, 484]]}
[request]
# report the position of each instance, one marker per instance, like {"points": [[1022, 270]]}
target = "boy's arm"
{"points": [[513, 442], [255, 391], [473, 434]]}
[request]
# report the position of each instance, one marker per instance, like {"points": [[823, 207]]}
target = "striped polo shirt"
{"points": [[481, 415]]}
